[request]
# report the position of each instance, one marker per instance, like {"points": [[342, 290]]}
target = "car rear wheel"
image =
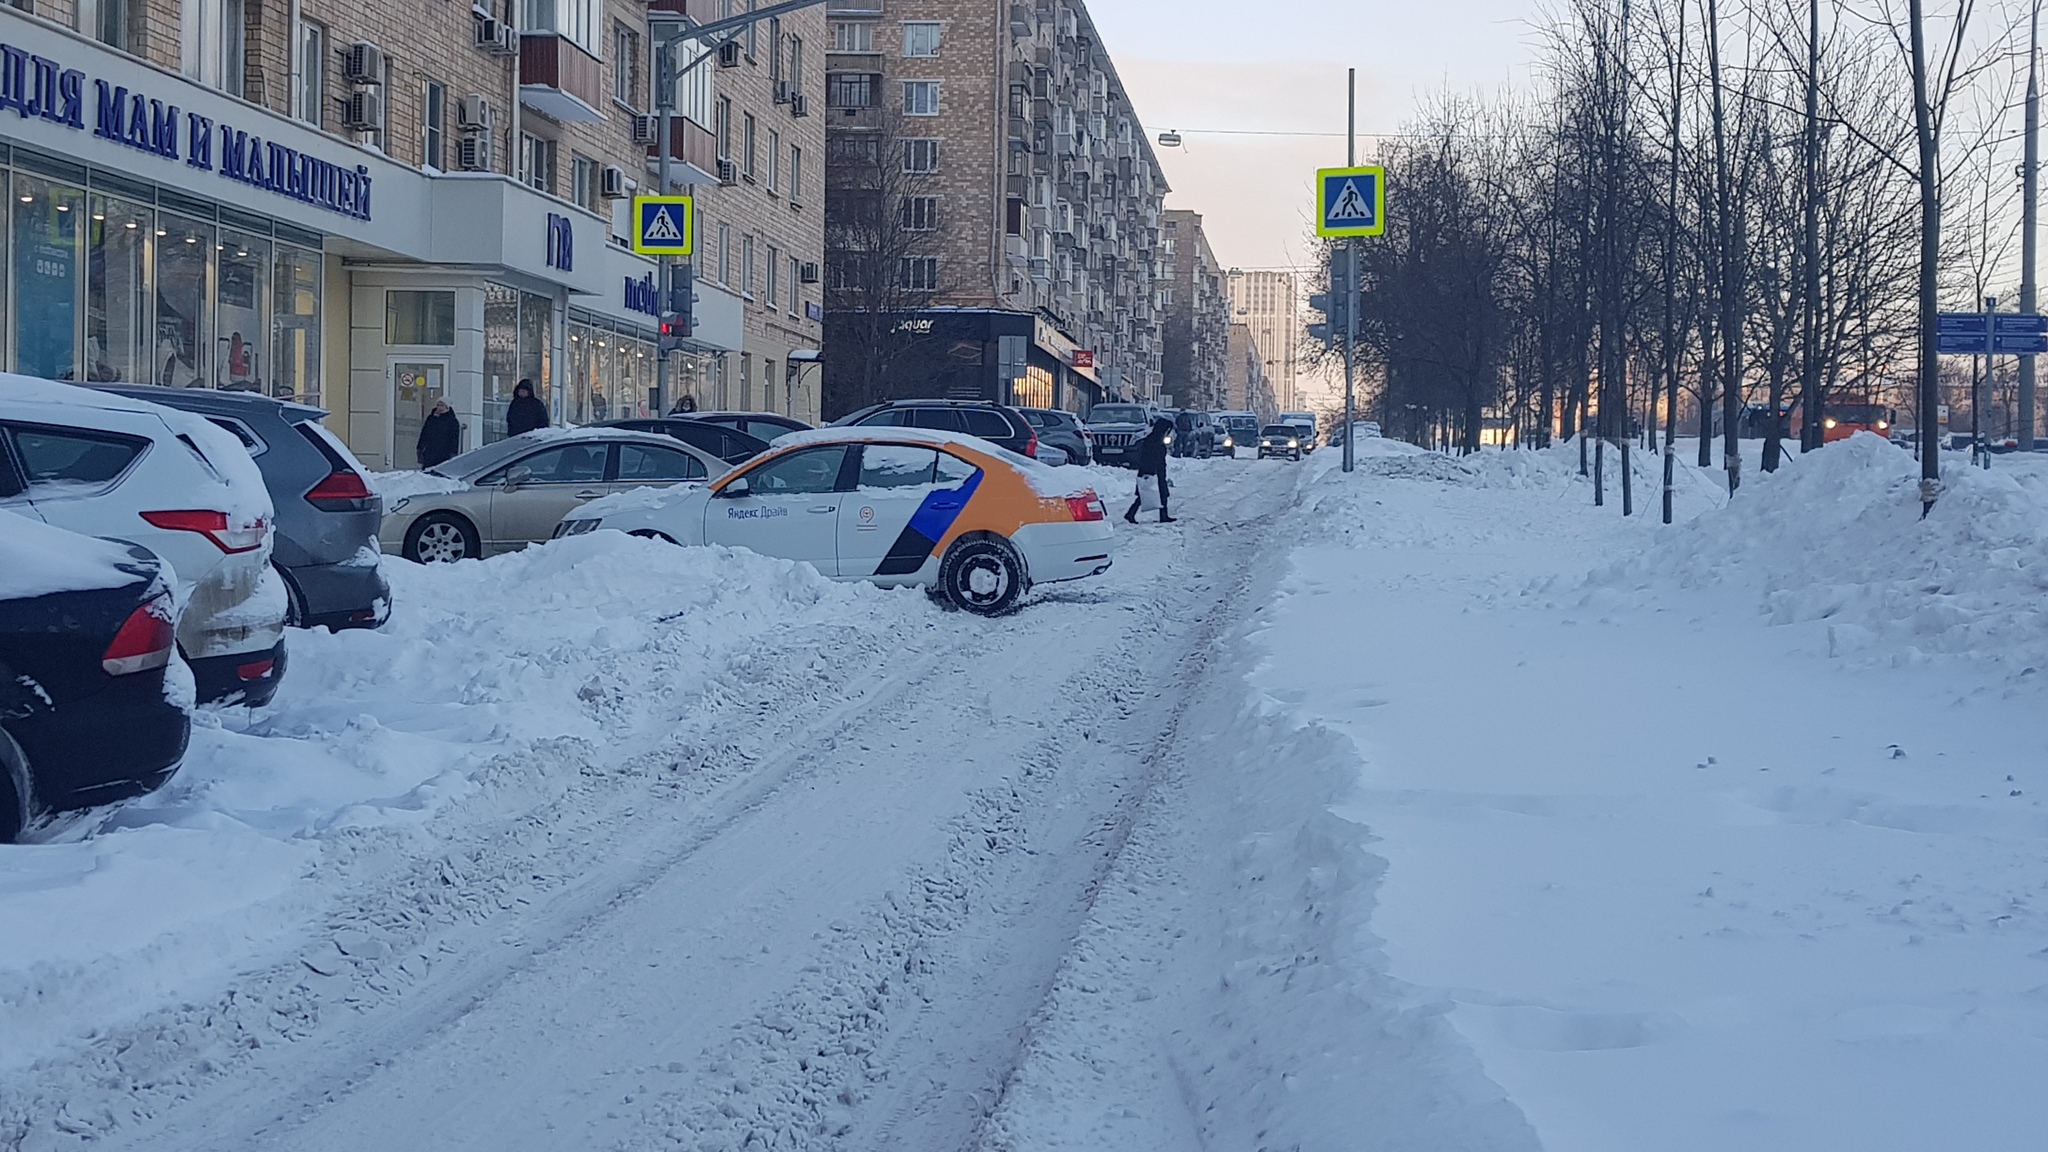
{"points": [[442, 538], [983, 575], [14, 789], [294, 602]]}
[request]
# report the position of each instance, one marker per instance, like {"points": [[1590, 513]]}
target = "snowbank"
{"points": [[37, 559], [406, 483], [1837, 536]]}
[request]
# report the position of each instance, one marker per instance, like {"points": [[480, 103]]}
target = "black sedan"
{"points": [[87, 636], [728, 444]]}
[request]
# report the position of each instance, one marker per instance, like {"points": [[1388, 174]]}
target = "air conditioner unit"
{"points": [[362, 109], [808, 272], [473, 113], [784, 89], [728, 172], [486, 29], [615, 184], [363, 63], [729, 54], [496, 37], [646, 129], [473, 154], [799, 104]]}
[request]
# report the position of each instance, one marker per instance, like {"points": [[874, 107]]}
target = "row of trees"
{"points": [[1711, 214]]}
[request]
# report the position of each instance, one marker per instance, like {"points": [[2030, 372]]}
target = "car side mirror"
{"points": [[517, 476], [735, 489]]}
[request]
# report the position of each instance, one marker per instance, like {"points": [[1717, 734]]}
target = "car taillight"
{"points": [[1031, 446], [342, 491], [214, 526], [144, 641], [1085, 507]]}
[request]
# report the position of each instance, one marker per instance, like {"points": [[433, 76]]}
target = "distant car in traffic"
{"points": [[512, 493], [976, 524], [1306, 421], [1239, 430], [1062, 430], [996, 423], [1194, 434], [1281, 440], [727, 443], [327, 517], [88, 632], [1114, 430]]}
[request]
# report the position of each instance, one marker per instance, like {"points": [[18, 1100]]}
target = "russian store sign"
{"points": [[37, 88]]}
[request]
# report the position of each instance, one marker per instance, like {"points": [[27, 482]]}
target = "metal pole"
{"points": [[1982, 386], [1351, 254], [2030, 172], [664, 103]]}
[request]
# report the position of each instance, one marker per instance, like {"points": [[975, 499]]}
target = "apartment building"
{"points": [[1266, 302], [371, 206], [1245, 386], [995, 199], [1197, 330]]}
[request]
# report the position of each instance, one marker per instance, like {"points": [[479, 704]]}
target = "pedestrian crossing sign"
{"points": [[1351, 201], [664, 225]]}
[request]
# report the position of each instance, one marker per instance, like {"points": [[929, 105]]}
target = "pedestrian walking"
{"points": [[526, 412], [1152, 486], [440, 435]]}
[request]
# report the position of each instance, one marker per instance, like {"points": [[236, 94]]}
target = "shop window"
{"points": [[117, 293], [295, 326], [244, 309], [184, 292], [417, 317], [46, 277], [920, 39]]}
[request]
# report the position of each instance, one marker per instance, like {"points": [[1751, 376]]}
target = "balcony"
{"points": [[696, 11], [692, 153], [559, 80]]}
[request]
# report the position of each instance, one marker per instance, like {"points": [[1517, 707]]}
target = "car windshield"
{"points": [[1280, 430], [479, 460], [1116, 414]]}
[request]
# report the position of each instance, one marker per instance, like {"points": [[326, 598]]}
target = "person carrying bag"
{"points": [[1152, 486]]}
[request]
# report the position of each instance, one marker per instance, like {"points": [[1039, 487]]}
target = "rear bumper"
{"points": [[121, 741], [1070, 551], [345, 595], [249, 678]]}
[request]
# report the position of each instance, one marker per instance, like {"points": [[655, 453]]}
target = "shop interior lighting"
{"points": [[63, 207], [99, 215], [162, 232], [131, 224], [28, 199], [191, 239]]}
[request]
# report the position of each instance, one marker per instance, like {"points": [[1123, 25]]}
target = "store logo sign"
{"points": [[561, 242], [37, 88], [642, 296]]}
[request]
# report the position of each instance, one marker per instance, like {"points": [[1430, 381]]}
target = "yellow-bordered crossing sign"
{"points": [[1351, 201], [664, 225]]}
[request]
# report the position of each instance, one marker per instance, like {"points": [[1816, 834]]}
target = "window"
{"points": [[849, 36], [937, 419], [575, 20], [799, 473], [795, 284], [919, 273], [854, 147], [850, 89], [583, 187], [415, 317], [746, 266], [1013, 220], [569, 464], [309, 74], [210, 42], [953, 471], [920, 97], [647, 464], [72, 456], [796, 174], [725, 254], [748, 132], [987, 424], [434, 125], [107, 21], [772, 291], [920, 213], [920, 39], [920, 155], [774, 44], [897, 466], [724, 127], [796, 63], [537, 162], [774, 159], [626, 66]]}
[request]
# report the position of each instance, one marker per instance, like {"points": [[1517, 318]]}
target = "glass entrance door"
{"points": [[415, 385]]}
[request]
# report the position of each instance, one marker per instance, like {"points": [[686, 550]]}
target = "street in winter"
{"points": [[601, 576]]}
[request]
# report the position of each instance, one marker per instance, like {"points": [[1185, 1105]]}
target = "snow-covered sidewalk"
{"points": [[1724, 835]]}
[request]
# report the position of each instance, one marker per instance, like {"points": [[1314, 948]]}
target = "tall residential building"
{"points": [[374, 206], [994, 216], [1246, 388], [1197, 313], [1266, 303]]}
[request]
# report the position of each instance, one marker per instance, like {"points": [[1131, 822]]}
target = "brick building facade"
{"points": [[1197, 333]]}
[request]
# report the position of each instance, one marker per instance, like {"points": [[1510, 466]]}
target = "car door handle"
{"points": [[588, 495], [826, 508], [945, 505]]}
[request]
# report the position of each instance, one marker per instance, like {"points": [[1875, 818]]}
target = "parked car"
{"points": [[1194, 434], [1366, 429], [1062, 430], [977, 524], [765, 426], [179, 486], [1281, 440], [1114, 431], [327, 517], [513, 492], [995, 423], [88, 630], [727, 443]]}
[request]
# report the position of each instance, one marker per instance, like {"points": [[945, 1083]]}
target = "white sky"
{"points": [[1279, 65]]}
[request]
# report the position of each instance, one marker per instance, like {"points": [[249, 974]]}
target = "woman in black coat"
{"points": [[440, 435], [1152, 462], [526, 412]]}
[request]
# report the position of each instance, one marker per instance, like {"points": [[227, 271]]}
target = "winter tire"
{"points": [[294, 603], [983, 575], [442, 538]]}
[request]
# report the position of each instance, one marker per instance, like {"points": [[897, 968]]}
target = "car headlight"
{"points": [[575, 528], [1294, 443], [1882, 425], [1828, 423]]}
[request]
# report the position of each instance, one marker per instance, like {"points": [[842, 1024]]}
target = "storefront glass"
{"points": [[611, 373], [295, 326], [184, 323], [518, 334], [118, 293], [244, 302], [46, 278], [1034, 390]]}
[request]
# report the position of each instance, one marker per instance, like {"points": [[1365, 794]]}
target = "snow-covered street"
{"points": [[1428, 807]]}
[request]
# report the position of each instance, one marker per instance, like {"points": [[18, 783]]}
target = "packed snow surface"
{"points": [[37, 559]]}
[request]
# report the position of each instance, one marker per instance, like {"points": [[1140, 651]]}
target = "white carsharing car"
{"points": [[974, 522]]}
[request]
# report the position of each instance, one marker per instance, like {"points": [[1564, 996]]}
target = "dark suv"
{"points": [[992, 422], [1194, 434], [1063, 430], [327, 517]]}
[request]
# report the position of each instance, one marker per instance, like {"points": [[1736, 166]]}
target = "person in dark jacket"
{"points": [[1152, 463], [526, 412], [685, 405], [440, 435]]}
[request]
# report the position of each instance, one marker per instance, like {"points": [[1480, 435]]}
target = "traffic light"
{"points": [[678, 306], [1335, 304]]}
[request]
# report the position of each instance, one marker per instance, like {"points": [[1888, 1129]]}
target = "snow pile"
{"points": [[407, 483], [1837, 536], [37, 559]]}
